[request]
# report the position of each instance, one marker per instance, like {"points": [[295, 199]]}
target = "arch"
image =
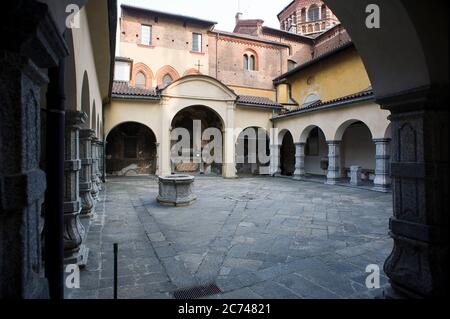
{"points": [[131, 150], [342, 128], [306, 131], [192, 158], [311, 97], [94, 118], [191, 71], [142, 68], [324, 12], [86, 99], [388, 132], [167, 69], [358, 149], [406, 26], [98, 126], [167, 79], [252, 154], [252, 64], [70, 74], [287, 154], [316, 150], [313, 13]]}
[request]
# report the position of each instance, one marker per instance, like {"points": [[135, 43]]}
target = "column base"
{"points": [[332, 181], [381, 188], [79, 257]]}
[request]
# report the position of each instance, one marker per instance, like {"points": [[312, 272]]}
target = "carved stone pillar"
{"points": [[101, 161], [96, 162], [382, 179], [74, 232], [94, 188], [299, 160], [87, 201], [275, 168], [22, 182], [34, 44], [334, 170], [418, 265]]}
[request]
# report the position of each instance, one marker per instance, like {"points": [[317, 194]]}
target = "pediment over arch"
{"points": [[201, 87]]}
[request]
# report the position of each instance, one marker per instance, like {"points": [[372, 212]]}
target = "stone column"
{"points": [[382, 179], [157, 158], [36, 45], [74, 232], [418, 265], [101, 161], [96, 146], [299, 160], [94, 188], [334, 170], [229, 156], [87, 201], [275, 168]]}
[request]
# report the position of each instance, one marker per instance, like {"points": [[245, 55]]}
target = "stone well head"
{"points": [[176, 190]]}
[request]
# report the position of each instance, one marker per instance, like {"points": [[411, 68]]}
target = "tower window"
{"points": [[167, 79], [313, 13], [250, 62], [146, 34], [196, 42], [141, 81], [245, 62]]}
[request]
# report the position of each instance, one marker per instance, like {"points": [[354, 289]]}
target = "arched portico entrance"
{"points": [[131, 150], [253, 152], [287, 154], [202, 153]]}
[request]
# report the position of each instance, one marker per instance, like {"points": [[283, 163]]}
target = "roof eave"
{"points": [[370, 97]]}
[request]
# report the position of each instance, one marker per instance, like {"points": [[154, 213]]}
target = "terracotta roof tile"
{"points": [[123, 89], [258, 101]]}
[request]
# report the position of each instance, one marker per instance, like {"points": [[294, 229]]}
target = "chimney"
{"points": [[238, 17]]}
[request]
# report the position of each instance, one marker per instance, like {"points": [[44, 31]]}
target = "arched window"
{"points": [[141, 80], [324, 12], [167, 79], [245, 62], [313, 97], [251, 63], [303, 15], [313, 13]]}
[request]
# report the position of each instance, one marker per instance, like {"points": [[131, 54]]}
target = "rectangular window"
{"points": [[196, 42], [146, 34]]}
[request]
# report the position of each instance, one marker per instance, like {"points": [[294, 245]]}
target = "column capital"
{"points": [[75, 118], [87, 133], [300, 144], [336, 142], [381, 140]]}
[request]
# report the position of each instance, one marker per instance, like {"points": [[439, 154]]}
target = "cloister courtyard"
{"points": [[256, 237]]}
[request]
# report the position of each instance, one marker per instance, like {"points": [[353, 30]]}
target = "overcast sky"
{"points": [[222, 12]]}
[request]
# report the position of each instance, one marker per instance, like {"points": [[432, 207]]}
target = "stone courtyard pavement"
{"points": [[256, 237]]}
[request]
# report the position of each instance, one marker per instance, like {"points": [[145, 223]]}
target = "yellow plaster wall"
{"points": [[336, 76]]}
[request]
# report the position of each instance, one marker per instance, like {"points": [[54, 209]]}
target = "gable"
{"points": [[199, 87]]}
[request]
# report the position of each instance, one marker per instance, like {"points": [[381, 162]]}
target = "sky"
{"points": [[222, 12]]}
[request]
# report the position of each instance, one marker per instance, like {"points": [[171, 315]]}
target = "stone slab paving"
{"points": [[256, 237]]}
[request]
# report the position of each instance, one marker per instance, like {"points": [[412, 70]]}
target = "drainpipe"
{"points": [[217, 55], [54, 197]]}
